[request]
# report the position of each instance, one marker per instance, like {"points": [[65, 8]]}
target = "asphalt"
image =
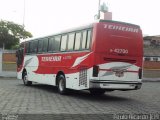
{"points": [[43, 102]]}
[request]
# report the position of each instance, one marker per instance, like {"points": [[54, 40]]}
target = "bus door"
{"points": [[19, 55]]}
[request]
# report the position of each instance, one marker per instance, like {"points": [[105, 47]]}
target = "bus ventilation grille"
{"points": [[83, 77], [120, 60]]}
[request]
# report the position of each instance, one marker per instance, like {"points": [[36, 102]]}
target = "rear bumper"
{"points": [[115, 85]]}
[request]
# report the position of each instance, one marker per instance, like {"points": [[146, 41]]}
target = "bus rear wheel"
{"points": [[62, 85], [97, 91], [25, 79]]}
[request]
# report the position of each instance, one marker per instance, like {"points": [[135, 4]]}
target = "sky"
{"points": [[44, 17]]}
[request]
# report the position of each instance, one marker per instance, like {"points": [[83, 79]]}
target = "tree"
{"points": [[11, 33]]}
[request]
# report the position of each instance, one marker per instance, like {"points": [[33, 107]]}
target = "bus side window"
{"points": [[27, 46], [70, 41], [57, 42], [40, 45], [19, 55], [77, 41], [88, 39], [51, 44], [33, 46], [84, 39], [64, 43], [45, 44]]}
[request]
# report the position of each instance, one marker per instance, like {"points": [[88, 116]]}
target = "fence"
{"points": [[151, 67], [8, 63]]}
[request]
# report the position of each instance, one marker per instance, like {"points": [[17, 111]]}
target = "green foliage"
{"points": [[11, 33]]}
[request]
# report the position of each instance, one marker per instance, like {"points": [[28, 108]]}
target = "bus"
{"points": [[102, 56]]}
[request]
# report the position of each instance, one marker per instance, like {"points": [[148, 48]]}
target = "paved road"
{"points": [[15, 98]]}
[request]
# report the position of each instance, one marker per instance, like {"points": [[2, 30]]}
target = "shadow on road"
{"points": [[82, 94], [87, 96]]}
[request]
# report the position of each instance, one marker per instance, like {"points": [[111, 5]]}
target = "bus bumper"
{"points": [[115, 85]]}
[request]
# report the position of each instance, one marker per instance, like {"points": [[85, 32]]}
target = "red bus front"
{"points": [[118, 56]]}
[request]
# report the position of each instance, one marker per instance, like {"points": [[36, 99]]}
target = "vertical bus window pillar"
{"points": [[1, 61]]}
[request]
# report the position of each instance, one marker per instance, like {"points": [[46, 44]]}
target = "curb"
{"points": [[8, 77], [150, 79], [5, 74]]}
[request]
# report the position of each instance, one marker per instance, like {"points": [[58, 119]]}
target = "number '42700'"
{"points": [[120, 51]]}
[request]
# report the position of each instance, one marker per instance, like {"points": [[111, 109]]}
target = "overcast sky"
{"points": [[49, 16]]}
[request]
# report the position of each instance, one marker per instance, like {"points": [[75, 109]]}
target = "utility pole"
{"points": [[99, 12], [24, 12], [3, 46], [103, 8]]}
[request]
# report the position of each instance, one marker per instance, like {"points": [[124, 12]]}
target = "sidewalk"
{"points": [[151, 79], [8, 74]]}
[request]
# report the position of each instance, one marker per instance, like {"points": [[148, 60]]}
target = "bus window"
{"points": [[84, 38], [71, 41], [51, 44], [40, 46], [57, 43], [19, 55], [45, 44], [22, 45], [88, 39], [27, 47], [63, 43], [77, 41], [33, 46]]}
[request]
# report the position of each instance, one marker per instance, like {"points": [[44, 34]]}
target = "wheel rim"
{"points": [[61, 85], [25, 79]]}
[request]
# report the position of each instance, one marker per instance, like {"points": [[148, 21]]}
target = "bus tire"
{"points": [[25, 79], [97, 91], [62, 85]]}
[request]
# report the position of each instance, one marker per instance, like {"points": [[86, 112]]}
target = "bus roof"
{"points": [[78, 28], [62, 32], [119, 22]]}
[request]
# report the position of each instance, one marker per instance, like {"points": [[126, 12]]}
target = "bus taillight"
{"points": [[95, 71], [140, 73]]}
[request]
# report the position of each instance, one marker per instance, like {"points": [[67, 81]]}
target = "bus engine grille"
{"points": [[83, 77]]}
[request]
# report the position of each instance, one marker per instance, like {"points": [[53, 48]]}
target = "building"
{"points": [[152, 41], [152, 52]]}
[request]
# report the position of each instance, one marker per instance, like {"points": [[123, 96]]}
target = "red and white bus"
{"points": [[103, 56]]}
